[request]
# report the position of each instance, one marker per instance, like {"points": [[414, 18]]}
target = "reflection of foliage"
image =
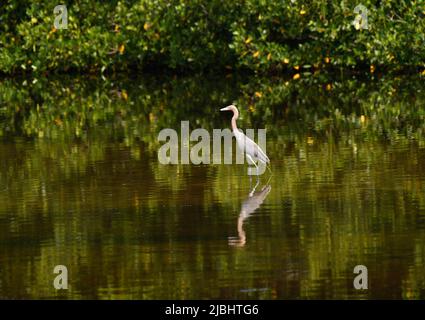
{"points": [[198, 35], [82, 187], [137, 109], [129, 228]]}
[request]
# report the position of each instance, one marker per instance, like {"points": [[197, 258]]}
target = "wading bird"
{"points": [[250, 148]]}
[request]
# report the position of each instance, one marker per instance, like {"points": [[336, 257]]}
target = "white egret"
{"points": [[250, 148]]}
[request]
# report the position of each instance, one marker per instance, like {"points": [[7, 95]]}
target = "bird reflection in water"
{"points": [[249, 205]]}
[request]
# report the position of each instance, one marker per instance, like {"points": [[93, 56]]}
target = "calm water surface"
{"points": [[128, 227]]}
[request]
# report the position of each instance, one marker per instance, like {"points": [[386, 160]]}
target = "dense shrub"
{"points": [[197, 35]]}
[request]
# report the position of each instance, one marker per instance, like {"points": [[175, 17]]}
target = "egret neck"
{"points": [[234, 118]]}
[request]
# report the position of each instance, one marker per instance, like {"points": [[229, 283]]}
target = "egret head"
{"points": [[231, 107], [235, 115]]}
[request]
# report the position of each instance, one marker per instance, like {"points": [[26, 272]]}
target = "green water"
{"points": [[81, 186]]}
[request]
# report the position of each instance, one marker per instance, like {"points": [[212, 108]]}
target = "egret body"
{"points": [[250, 148]]}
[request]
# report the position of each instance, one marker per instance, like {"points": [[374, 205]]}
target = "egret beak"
{"points": [[224, 109]]}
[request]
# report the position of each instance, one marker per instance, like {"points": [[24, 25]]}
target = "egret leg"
{"points": [[253, 162], [253, 189], [268, 167], [268, 181]]}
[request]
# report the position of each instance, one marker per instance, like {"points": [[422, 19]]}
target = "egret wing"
{"points": [[254, 150]]}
